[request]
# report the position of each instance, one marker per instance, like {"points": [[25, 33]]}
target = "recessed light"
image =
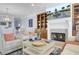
{"points": [[33, 4]]}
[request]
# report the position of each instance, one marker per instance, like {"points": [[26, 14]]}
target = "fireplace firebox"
{"points": [[58, 36]]}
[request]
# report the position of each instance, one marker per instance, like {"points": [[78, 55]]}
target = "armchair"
{"points": [[9, 46]]}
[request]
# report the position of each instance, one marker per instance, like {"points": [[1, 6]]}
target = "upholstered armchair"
{"points": [[8, 43]]}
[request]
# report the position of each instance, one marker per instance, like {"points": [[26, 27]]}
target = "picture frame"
{"points": [[30, 23]]}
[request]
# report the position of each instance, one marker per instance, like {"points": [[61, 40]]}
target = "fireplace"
{"points": [[58, 36], [62, 26]]}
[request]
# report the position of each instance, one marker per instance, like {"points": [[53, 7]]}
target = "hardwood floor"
{"points": [[72, 42]]}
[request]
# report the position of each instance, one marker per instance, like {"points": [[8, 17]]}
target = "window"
{"points": [[30, 22]]}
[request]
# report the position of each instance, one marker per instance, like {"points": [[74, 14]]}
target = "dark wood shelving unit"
{"points": [[42, 20], [75, 15]]}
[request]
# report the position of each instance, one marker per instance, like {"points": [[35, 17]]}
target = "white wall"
{"points": [[25, 22]]}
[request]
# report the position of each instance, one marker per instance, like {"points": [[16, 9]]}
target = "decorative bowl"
{"points": [[38, 43]]}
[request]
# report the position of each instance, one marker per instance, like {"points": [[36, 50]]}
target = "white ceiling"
{"points": [[24, 9]]}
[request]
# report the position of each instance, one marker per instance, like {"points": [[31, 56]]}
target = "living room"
{"points": [[39, 29]]}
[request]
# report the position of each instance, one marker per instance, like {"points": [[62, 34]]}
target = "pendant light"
{"points": [[7, 18]]}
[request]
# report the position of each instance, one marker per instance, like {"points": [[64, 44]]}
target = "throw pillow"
{"points": [[9, 36]]}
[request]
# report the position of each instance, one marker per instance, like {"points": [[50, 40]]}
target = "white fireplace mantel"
{"points": [[60, 25]]}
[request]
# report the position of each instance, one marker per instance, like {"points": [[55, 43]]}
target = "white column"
{"points": [[49, 31]]}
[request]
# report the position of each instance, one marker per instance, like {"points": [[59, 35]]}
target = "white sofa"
{"points": [[9, 46]]}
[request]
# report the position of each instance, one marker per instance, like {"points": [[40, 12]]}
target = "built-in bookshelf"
{"points": [[42, 24], [75, 15]]}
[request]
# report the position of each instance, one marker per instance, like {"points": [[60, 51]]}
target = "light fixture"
{"points": [[7, 18], [33, 4]]}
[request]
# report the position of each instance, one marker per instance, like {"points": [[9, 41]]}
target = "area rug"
{"points": [[17, 52]]}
